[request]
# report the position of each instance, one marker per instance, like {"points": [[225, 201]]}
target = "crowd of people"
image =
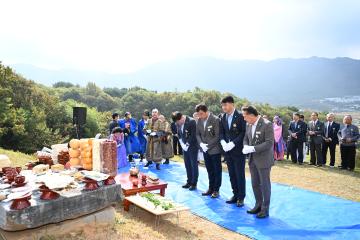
{"points": [[319, 138], [236, 136]]}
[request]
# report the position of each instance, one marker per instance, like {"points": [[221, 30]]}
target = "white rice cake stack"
{"points": [[96, 154]]}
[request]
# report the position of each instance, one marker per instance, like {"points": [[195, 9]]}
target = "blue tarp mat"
{"points": [[294, 213]]}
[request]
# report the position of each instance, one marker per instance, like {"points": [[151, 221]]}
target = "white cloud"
{"points": [[123, 36]]}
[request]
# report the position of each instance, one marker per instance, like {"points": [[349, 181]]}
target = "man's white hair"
{"points": [[155, 110], [330, 114]]}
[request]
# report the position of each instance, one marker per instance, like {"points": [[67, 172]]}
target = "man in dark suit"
{"points": [[232, 131], [330, 138], [176, 144], [114, 122], [306, 148], [207, 134], [316, 133], [297, 132], [258, 143], [188, 142]]}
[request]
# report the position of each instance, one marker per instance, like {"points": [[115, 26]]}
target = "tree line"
{"points": [[34, 115]]}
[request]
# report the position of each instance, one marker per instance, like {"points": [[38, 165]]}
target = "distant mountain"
{"points": [[302, 82]]}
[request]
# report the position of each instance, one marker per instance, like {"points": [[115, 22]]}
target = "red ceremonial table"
{"points": [[129, 189]]}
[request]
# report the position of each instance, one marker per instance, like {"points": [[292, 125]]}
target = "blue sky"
{"points": [[125, 36]]}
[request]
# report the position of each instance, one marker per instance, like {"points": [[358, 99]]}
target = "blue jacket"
{"points": [[131, 140]]}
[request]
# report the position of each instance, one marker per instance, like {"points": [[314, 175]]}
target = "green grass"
{"points": [[18, 158]]}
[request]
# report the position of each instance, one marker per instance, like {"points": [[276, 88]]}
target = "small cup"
{"points": [[6, 169], [19, 179], [10, 176], [18, 169]]}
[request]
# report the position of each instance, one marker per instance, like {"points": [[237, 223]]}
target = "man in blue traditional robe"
{"points": [[142, 133], [131, 140]]}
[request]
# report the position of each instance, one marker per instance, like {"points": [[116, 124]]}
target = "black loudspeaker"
{"points": [[79, 115]]}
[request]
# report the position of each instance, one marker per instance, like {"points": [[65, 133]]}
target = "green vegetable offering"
{"points": [[151, 197]]}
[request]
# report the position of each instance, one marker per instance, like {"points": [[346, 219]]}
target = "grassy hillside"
{"points": [[17, 158]]}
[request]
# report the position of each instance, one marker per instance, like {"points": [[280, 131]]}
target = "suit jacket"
{"points": [[332, 132], [210, 134], [113, 124], [188, 135], [236, 132], [263, 142], [300, 131], [174, 128], [348, 131], [319, 132]]}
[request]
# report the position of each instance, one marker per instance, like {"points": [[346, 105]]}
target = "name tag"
{"points": [[258, 132]]}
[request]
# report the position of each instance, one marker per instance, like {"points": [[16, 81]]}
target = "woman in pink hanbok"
{"points": [[279, 144], [118, 136]]}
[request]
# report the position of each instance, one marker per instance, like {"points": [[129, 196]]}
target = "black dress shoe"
{"points": [[192, 188], [215, 194], [186, 185], [166, 161], [231, 200], [240, 203], [158, 166], [207, 193], [148, 164], [255, 210], [311, 163], [262, 214]]}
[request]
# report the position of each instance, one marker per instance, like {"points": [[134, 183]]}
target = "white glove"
{"points": [[186, 148], [148, 131], [153, 134], [183, 146], [230, 146], [223, 144], [204, 147], [248, 149], [226, 147], [252, 149], [245, 149]]}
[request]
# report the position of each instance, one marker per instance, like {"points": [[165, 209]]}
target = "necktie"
{"points": [[328, 130]]}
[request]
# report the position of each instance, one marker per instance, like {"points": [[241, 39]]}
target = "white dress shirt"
{"points": [[253, 127], [229, 118]]}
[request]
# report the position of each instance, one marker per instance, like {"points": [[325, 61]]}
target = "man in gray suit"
{"points": [[259, 143], [207, 134], [316, 133]]}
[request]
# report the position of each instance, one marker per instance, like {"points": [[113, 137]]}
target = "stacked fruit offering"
{"points": [[86, 153], [81, 153], [74, 152]]}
